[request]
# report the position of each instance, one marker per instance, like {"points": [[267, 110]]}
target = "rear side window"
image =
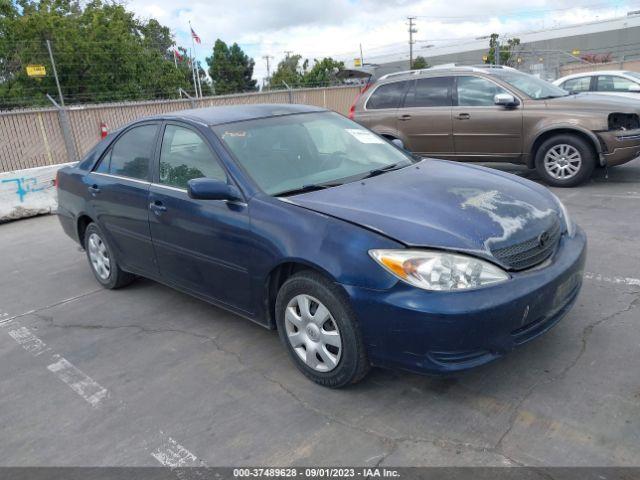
{"points": [[430, 92], [389, 95], [130, 156], [577, 84], [611, 83], [185, 156]]}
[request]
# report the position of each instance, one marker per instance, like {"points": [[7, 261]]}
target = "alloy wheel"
{"points": [[563, 161], [99, 256], [313, 333]]}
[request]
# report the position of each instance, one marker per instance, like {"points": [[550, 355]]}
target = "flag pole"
{"points": [[193, 63], [193, 73]]}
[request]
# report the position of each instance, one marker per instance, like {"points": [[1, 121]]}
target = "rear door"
{"points": [[425, 117], [119, 196], [381, 107], [482, 130], [201, 245]]}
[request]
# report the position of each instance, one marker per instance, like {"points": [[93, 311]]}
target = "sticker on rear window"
{"points": [[364, 136]]}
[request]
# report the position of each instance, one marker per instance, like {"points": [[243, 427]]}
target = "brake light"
{"points": [[352, 108]]}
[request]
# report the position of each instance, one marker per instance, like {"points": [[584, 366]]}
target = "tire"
{"points": [[334, 366], [565, 160], [102, 261]]}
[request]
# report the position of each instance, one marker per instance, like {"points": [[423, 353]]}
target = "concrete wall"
{"points": [[24, 193]]}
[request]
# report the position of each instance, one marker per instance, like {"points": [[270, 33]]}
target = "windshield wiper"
{"points": [[307, 188], [381, 170]]}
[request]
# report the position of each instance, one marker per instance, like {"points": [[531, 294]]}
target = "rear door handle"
{"points": [[463, 116], [94, 189], [157, 207], [404, 118]]}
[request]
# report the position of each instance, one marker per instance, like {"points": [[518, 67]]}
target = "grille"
{"points": [[530, 252]]}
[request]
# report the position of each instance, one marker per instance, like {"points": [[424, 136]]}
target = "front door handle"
{"points": [[157, 207], [94, 189], [463, 116], [405, 117]]}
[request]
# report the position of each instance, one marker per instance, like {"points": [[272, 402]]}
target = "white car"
{"points": [[609, 82]]}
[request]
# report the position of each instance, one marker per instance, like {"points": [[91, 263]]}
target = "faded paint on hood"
{"points": [[441, 204]]}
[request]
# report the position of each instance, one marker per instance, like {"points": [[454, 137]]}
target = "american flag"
{"points": [[195, 36], [177, 55]]}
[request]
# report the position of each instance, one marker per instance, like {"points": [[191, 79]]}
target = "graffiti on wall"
{"points": [[24, 186]]}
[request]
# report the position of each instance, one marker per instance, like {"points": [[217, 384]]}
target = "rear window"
{"points": [[389, 95]]}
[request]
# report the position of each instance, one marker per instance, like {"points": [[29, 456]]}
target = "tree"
{"points": [[102, 53], [506, 51], [419, 63], [288, 72], [323, 72], [230, 69]]}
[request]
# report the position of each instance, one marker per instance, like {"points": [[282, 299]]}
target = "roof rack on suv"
{"points": [[446, 66]]}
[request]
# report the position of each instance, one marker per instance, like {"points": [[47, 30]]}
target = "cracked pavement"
{"points": [[226, 390]]}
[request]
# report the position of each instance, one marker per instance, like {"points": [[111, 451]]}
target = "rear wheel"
{"points": [[319, 330], [565, 160], [102, 261]]}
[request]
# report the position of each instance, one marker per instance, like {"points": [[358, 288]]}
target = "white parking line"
{"points": [[76, 379], [616, 280], [80, 382], [173, 455]]}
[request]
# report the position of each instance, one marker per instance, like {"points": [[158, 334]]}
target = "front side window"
{"points": [[581, 84], [310, 150], [477, 92], [389, 95], [130, 156], [185, 156], [430, 92], [612, 83]]}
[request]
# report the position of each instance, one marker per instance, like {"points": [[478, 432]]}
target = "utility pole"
{"points": [[288, 53], [496, 53], [412, 30], [361, 57], [267, 58], [55, 73]]}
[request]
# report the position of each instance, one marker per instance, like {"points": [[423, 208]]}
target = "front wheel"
{"points": [[319, 330], [565, 161]]}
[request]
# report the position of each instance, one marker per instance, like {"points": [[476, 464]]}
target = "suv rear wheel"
{"points": [[565, 160]]}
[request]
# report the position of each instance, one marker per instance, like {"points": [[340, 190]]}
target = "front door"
{"points": [[425, 118], [201, 245], [119, 196], [482, 130]]}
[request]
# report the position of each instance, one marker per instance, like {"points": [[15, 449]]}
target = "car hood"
{"points": [[441, 204], [596, 101]]}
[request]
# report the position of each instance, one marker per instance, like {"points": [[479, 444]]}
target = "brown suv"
{"points": [[500, 114]]}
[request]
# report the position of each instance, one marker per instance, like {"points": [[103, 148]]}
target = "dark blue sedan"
{"points": [[303, 221]]}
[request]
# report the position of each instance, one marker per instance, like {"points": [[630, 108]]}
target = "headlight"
{"points": [[436, 270], [565, 217]]}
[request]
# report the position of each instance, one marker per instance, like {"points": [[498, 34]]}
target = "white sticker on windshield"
{"points": [[364, 136]]}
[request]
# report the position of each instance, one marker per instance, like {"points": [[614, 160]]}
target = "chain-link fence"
{"points": [[33, 138]]}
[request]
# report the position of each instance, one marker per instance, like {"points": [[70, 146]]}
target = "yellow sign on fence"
{"points": [[36, 70], [357, 62]]}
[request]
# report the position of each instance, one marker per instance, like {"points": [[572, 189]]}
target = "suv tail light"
{"points": [[352, 108]]}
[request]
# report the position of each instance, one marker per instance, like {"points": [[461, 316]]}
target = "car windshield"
{"points": [[294, 153], [531, 86]]}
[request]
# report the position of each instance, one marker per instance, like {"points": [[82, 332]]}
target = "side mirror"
{"points": [[398, 143], [635, 88], [505, 99], [211, 189]]}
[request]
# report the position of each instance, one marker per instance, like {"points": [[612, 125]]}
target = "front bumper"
{"points": [[437, 332], [620, 146]]}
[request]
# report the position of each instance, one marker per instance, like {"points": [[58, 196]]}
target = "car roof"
{"points": [[591, 74], [237, 113]]}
